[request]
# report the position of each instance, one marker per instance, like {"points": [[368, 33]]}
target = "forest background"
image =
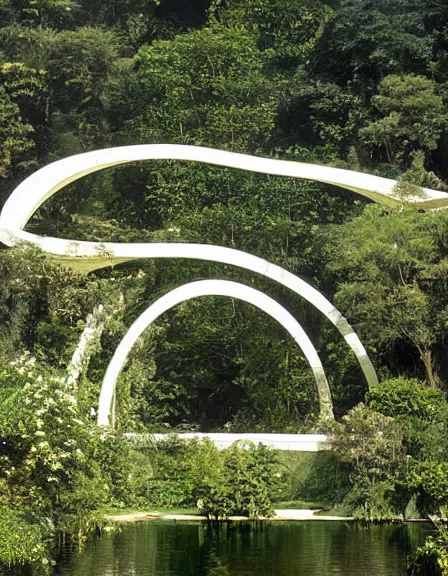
{"points": [[349, 83]]}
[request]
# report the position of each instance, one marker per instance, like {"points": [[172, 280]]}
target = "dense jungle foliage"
{"points": [[350, 83]]}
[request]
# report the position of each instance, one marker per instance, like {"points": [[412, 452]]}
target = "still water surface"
{"points": [[160, 548]]}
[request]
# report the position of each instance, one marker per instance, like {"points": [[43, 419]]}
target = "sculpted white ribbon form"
{"points": [[35, 189], [41, 185]]}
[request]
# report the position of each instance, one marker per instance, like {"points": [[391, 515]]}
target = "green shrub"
{"points": [[432, 558], [241, 480], [47, 457], [24, 541], [430, 482], [372, 445], [421, 411], [402, 398], [173, 481], [250, 481]]}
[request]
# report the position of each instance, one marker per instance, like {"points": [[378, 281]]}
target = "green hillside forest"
{"points": [[355, 84]]}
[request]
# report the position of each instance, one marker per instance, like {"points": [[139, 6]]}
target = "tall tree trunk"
{"points": [[426, 357]]}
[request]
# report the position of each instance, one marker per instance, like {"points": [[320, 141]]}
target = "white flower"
{"points": [[70, 398]]}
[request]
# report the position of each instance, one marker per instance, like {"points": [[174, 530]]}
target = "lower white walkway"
{"points": [[289, 442]]}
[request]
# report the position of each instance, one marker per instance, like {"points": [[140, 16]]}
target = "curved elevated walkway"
{"points": [[111, 252]]}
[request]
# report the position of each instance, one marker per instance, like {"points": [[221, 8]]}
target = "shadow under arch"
{"points": [[191, 290]]}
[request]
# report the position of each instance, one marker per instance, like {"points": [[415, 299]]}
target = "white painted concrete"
{"points": [[211, 288], [287, 442]]}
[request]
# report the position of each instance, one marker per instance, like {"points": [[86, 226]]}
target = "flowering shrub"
{"points": [[24, 541], [47, 474]]}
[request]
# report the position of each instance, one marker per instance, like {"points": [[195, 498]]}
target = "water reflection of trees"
{"points": [[210, 562], [232, 549]]}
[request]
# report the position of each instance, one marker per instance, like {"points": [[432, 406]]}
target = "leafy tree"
{"points": [[285, 30], [365, 41], [7, 14], [418, 175], [391, 270], [43, 306], [28, 88], [321, 114], [436, 21], [55, 14], [15, 138], [413, 117], [202, 87], [29, 48], [80, 64]]}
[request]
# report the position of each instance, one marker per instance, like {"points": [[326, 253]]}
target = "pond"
{"points": [[159, 548]]}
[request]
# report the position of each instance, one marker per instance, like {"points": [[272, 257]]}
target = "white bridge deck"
{"points": [[288, 442]]}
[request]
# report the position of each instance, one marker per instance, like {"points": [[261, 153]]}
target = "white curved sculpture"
{"points": [[38, 187], [35, 189], [111, 252], [212, 288]]}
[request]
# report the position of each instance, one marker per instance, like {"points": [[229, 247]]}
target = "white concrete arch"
{"points": [[102, 254], [38, 187], [212, 288]]}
